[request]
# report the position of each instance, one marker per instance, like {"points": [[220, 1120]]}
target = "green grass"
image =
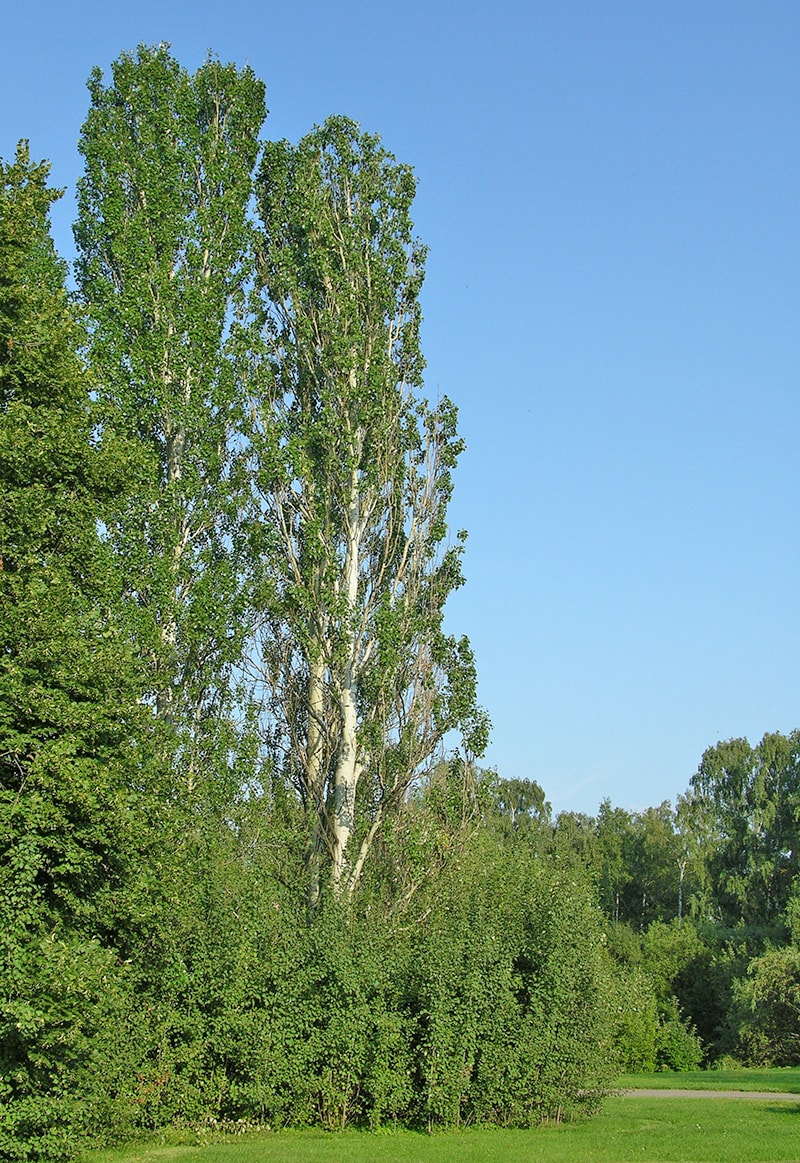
{"points": [[785, 1079], [627, 1130]]}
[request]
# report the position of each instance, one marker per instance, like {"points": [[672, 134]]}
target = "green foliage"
{"points": [[73, 739], [165, 255], [668, 950], [513, 1014], [746, 801], [634, 1029], [769, 1008], [353, 471], [651, 1029], [677, 1044], [61, 1016], [712, 888], [475, 1006], [704, 988], [244, 479], [338, 1036], [641, 865], [522, 811]]}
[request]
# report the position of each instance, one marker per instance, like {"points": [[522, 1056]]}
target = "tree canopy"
{"points": [[165, 254]]}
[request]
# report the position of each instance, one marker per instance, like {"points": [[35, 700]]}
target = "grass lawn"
{"points": [[627, 1130], [785, 1079]]}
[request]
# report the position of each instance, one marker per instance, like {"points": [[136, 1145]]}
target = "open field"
{"points": [[628, 1130], [784, 1079]]}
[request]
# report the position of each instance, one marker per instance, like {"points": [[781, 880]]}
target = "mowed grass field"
{"points": [[784, 1079], [629, 1129]]}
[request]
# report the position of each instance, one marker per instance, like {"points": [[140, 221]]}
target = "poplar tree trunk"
{"points": [[348, 768]]}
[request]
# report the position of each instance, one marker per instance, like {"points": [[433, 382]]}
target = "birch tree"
{"points": [[353, 472], [164, 242], [744, 803]]}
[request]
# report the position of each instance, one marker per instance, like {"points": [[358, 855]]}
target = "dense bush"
{"points": [[768, 1002], [677, 1044], [61, 1001], [475, 1004], [511, 1012], [635, 1021]]}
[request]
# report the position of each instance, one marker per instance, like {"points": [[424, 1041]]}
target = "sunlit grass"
{"points": [[785, 1079], [627, 1130]]}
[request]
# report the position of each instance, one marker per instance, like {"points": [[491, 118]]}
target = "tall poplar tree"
{"points": [[164, 242], [353, 472]]}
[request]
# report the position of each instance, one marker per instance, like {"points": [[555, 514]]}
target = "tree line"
{"points": [[701, 904], [252, 873]]}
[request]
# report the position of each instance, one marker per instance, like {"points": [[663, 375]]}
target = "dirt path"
{"points": [[759, 1095]]}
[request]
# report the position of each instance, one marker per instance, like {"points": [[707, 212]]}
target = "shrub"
{"points": [[677, 1044], [768, 1002]]}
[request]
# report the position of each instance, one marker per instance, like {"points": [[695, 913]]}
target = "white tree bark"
{"points": [[348, 767]]}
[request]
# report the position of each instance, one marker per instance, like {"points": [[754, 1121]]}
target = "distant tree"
{"points": [[521, 808], [353, 470], [575, 838], [658, 865], [695, 830], [749, 798], [614, 830]]}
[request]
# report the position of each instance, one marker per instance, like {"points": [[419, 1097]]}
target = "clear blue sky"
{"points": [[611, 195]]}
